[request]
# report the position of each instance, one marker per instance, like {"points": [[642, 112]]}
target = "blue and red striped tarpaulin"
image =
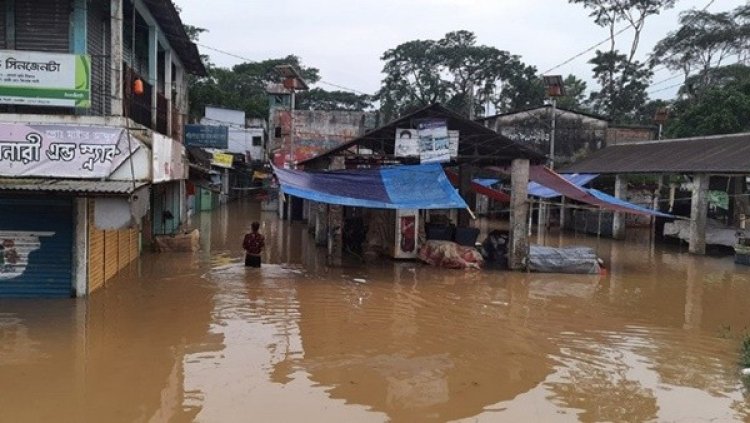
{"points": [[422, 186]]}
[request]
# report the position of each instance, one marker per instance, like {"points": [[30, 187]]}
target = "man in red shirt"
{"points": [[253, 244]]}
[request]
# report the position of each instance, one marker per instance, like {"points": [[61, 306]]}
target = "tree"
{"points": [[457, 72], [720, 110], [623, 86], [575, 93], [623, 80], [319, 99], [704, 40]]}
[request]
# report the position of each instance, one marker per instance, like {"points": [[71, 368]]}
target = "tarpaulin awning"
{"points": [[479, 188], [548, 178], [577, 179], [402, 187]]}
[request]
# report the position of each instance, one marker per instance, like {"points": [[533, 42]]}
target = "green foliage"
{"points": [[319, 99], [575, 94], [704, 40], [623, 87], [745, 351], [457, 72], [720, 109]]}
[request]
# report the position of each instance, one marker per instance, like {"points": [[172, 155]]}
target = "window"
{"points": [[277, 132], [257, 141]]}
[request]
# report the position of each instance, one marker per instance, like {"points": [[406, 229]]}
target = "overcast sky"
{"points": [[345, 39]]}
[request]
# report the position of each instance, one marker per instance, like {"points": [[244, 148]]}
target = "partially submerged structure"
{"points": [[702, 160]]}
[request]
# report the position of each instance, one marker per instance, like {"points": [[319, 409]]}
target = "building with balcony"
{"points": [[93, 97]]}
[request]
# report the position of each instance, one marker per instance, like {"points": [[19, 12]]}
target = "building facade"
{"points": [[93, 96]]}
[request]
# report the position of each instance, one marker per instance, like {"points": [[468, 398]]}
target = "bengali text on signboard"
{"points": [[45, 79]]}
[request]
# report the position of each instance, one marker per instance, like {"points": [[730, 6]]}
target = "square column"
{"points": [[618, 221], [465, 175], [698, 214], [519, 210]]}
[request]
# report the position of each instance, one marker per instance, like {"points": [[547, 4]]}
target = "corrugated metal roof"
{"points": [[722, 154], [69, 186]]}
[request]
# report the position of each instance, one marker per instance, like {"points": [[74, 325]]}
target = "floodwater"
{"points": [[183, 337]]}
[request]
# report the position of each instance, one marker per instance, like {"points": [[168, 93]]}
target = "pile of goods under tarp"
{"points": [[582, 260], [179, 243], [450, 255]]}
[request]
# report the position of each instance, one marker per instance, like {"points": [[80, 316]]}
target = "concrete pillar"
{"points": [[465, 175], [335, 232], [153, 70], [618, 221], [519, 208], [80, 248], [168, 89], [115, 49], [321, 223], [698, 214]]}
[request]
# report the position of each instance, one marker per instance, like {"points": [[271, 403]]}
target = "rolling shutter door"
{"points": [[43, 25], [123, 252], [110, 254], [36, 247], [95, 252]]}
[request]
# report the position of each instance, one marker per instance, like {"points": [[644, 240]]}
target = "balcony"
{"points": [[138, 107]]}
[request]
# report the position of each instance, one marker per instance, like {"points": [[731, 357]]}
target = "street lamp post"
{"points": [[555, 88]]}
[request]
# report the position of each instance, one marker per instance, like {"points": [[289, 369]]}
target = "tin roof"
{"points": [[720, 154], [478, 144], [72, 186], [169, 20]]}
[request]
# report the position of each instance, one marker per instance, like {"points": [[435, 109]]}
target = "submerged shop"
{"points": [[72, 198]]}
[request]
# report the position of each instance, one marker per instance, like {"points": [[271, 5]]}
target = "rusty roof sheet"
{"points": [[71, 186], [721, 154]]}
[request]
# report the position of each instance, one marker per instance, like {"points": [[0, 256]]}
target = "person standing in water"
{"points": [[253, 244]]}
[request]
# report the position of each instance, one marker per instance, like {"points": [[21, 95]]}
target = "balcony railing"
{"points": [[138, 107]]}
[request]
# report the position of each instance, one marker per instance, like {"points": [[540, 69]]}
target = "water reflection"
{"points": [[198, 337]]}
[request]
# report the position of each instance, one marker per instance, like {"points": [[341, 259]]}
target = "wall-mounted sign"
{"points": [[45, 79], [207, 136], [407, 223], [434, 143], [63, 151], [168, 159], [223, 160]]}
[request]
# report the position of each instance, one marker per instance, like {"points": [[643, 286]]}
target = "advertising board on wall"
{"points": [[223, 160], [407, 223], [63, 151], [207, 136], [408, 145], [168, 159], [45, 79]]}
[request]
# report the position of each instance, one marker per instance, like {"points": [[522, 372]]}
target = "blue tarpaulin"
{"points": [[633, 208], [577, 179], [402, 187], [486, 182]]}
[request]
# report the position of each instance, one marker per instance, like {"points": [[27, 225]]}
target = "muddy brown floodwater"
{"points": [[181, 337]]}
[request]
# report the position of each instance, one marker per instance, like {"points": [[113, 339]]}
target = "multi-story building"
{"points": [[93, 95]]}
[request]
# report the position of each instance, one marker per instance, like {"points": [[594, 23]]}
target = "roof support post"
{"points": [[699, 213], [465, 175], [618, 220], [519, 209], [336, 223]]}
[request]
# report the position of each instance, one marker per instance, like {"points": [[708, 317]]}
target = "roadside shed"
{"points": [[699, 158], [476, 146]]}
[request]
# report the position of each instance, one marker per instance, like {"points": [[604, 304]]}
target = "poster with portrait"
{"points": [[434, 143], [407, 143], [406, 234]]}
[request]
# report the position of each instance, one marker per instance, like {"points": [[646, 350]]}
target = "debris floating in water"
{"points": [[359, 280]]}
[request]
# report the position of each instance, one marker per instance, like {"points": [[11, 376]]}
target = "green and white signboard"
{"points": [[36, 78]]}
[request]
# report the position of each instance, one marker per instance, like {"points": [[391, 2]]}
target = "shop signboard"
{"points": [[63, 151], [434, 143], [223, 160], [207, 136], [35, 78]]}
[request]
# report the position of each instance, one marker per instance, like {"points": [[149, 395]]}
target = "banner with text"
{"points": [[45, 79], [434, 143], [63, 151]]}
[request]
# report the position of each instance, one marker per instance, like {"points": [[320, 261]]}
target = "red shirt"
{"points": [[254, 243]]}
